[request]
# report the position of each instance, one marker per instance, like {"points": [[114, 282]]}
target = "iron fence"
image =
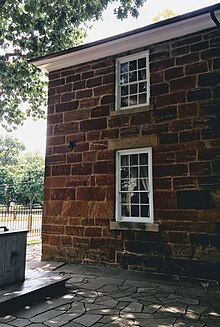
{"points": [[22, 218]]}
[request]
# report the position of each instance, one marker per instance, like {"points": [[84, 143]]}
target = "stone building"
{"points": [[133, 161]]}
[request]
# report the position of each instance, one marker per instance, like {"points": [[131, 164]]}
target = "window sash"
{"points": [[132, 81], [134, 189]]}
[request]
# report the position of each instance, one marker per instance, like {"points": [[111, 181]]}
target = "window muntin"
{"points": [[132, 81], [134, 200]]}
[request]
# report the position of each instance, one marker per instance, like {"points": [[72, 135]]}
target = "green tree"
{"points": [[32, 28], [7, 187], [30, 179], [10, 148], [167, 13]]}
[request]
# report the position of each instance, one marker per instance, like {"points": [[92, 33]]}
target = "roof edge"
{"points": [[157, 32]]}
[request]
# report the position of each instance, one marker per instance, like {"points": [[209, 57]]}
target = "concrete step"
{"points": [[35, 287]]}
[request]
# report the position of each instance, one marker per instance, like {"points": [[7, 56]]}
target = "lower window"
{"points": [[134, 189]]}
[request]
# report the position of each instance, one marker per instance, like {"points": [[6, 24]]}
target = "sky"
{"points": [[33, 133]]}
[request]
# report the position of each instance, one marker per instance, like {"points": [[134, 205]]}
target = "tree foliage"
{"points": [[30, 179], [165, 14], [21, 175], [32, 28], [10, 148]]}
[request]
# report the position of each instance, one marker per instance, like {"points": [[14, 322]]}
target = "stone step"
{"points": [[35, 287]]}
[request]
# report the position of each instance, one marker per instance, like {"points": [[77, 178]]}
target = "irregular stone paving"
{"points": [[103, 297]]}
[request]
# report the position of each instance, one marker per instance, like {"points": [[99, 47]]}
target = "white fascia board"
{"points": [[126, 43]]}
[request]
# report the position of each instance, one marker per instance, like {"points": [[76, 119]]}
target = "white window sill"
{"points": [[131, 110], [146, 227]]}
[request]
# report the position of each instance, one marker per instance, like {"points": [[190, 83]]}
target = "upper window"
{"points": [[134, 190], [132, 84]]}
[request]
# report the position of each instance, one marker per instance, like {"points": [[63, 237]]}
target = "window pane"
{"points": [[144, 198], [144, 211], [124, 102], [135, 211], [125, 160], [143, 159], [132, 77], [134, 159], [142, 63], [132, 65], [143, 98], [123, 79], [133, 100], [142, 74], [124, 68], [124, 184], [142, 87], [125, 173], [124, 90], [133, 88]]}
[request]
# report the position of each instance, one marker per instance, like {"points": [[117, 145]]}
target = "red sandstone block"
{"points": [[196, 68], [67, 128], [66, 97], [75, 211], [52, 208], [93, 232], [176, 226], [107, 99], [95, 81], [187, 109], [100, 211], [83, 68], [54, 182], [99, 145], [75, 231], [157, 77], [169, 99], [90, 156], [185, 183], [61, 170], [89, 103], [100, 111], [55, 240], [67, 72], [189, 136], [200, 168], [93, 135], [55, 140], [186, 40], [105, 155], [80, 242], [56, 82], [73, 78], [53, 229], [187, 59], [54, 75], [51, 109], [167, 157], [55, 159], [64, 88], [184, 83], [165, 200], [98, 243], [175, 215], [60, 149], [82, 94], [170, 170], [104, 167], [180, 51], [64, 194], [73, 157], [119, 121], [110, 133], [53, 99], [109, 78], [162, 183], [87, 221], [105, 89], [186, 155], [55, 119], [173, 73], [93, 124], [88, 74], [67, 106], [66, 240], [81, 169], [181, 124], [78, 137], [141, 118], [161, 65], [91, 193]]}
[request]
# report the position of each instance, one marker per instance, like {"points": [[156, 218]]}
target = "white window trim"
{"points": [[117, 83], [149, 219]]}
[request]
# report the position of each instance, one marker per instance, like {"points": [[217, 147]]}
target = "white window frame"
{"points": [[119, 218], [122, 60]]}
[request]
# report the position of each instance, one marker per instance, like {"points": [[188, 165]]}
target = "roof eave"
{"points": [[142, 37]]}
